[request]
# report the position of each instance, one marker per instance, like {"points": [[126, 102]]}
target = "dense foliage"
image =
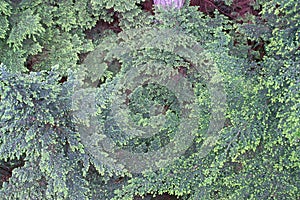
{"points": [[217, 86]]}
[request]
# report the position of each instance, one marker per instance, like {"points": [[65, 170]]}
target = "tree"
{"points": [[198, 105]]}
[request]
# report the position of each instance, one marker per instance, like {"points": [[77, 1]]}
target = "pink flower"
{"points": [[168, 3]]}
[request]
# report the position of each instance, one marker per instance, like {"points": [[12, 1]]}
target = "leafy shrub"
{"points": [[75, 101]]}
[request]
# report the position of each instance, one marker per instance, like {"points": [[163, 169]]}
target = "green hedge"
{"points": [[82, 81]]}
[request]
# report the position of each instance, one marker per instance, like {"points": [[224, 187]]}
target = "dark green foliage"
{"points": [[35, 127], [72, 104]]}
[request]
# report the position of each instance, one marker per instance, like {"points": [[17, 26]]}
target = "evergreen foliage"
{"points": [[75, 101]]}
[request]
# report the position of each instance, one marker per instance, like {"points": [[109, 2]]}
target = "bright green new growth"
{"points": [[43, 121], [116, 114]]}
